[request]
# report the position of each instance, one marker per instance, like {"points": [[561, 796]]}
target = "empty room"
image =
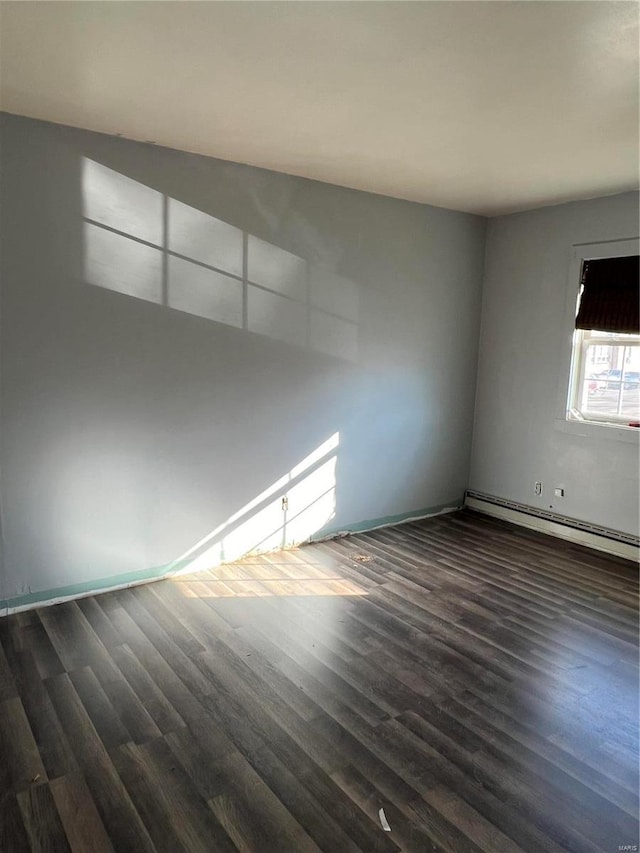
{"points": [[319, 426]]}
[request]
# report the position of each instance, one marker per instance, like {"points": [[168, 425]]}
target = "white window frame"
{"points": [[570, 418]]}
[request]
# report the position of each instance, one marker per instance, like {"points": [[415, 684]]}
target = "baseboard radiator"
{"points": [[583, 532]]}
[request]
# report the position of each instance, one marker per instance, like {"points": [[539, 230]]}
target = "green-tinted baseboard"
{"points": [[29, 600], [79, 590], [387, 520]]}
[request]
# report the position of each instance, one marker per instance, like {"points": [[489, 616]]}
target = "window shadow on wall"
{"points": [[140, 242]]}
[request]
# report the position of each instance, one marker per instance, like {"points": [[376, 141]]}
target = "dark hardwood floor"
{"points": [[477, 681]]}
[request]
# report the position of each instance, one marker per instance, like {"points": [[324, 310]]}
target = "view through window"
{"points": [[607, 383]]}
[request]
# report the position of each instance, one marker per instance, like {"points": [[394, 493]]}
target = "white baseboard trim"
{"points": [[563, 531]]}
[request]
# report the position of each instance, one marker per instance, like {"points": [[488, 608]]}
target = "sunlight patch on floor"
{"points": [[258, 579]]}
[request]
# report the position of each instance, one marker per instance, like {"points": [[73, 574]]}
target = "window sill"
{"points": [[603, 431]]}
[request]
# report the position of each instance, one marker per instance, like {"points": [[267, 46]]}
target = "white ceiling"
{"points": [[488, 107]]}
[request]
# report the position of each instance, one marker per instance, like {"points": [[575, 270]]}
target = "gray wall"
{"points": [[136, 423], [519, 435]]}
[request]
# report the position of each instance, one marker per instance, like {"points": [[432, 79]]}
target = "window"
{"points": [[604, 383]]}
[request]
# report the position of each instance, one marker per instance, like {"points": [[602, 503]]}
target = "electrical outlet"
{"points": [[538, 488]]}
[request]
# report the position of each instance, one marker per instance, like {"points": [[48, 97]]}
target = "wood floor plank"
{"points": [[447, 802], [310, 812], [71, 635], [175, 815], [49, 734], [242, 716], [82, 824], [100, 710], [410, 832], [41, 821], [202, 756], [253, 816], [170, 652], [100, 622], [8, 689], [20, 761], [303, 664], [116, 810], [533, 797], [477, 681], [13, 835], [34, 639], [467, 787], [132, 714], [388, 693], [152, 699], [539, 754]]}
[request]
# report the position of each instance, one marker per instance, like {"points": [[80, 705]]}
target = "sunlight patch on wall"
{"points": [[118, 202], [125, 266], [197, 290], [288, 512], [200, 237], [142, 243]]}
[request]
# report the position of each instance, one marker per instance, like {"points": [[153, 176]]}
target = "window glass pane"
{"points": [[611, 384], [631, 396]]}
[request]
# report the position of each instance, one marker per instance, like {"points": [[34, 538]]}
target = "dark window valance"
{"points": [[610, 297]]}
